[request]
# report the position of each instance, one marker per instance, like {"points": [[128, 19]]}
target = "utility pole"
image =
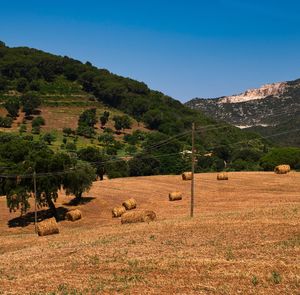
{"points": [[193, 170], [35, 212]]}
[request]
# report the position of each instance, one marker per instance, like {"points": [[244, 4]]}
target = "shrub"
{"points": [[49, 138], [38, 121], [36, 130], [67, 131], [6, 122], [23, 128]]}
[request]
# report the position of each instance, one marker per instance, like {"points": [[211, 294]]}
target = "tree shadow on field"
{"points": [[28, 218], [82, 201]]}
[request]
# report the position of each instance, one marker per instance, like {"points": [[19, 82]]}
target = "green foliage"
{"points": [[104, 118], [38, 121], [12, 106], [3, 83], [136, 137], [144, 165], [277, 156], [122, 122], [86, 123], [86, 131], [276, 277], [80, 179], [49, 137], [106, 139], [30, 102], [88, 117], [22, 84], [169, 155], [71, 146], [36, 129], [117, 168], [6, 122], [23, 128], [67, 131], [30, 69], [24, 157], [96, 158], [108, 130]]}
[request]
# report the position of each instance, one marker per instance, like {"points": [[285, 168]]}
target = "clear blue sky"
{"points": [[183, 48]]}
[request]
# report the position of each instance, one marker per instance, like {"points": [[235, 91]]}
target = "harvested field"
{"points": [[244, 239]]}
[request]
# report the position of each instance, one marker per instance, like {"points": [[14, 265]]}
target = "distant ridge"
{"points": [[269, 109]]}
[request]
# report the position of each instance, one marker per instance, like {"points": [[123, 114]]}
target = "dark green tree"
{"points": [[122, 122], [49, 137], [96, 158], [144, 165], [104, 118], [79, 180], [30, 102], [12, 106]]}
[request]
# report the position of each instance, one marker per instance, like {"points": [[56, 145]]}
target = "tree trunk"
{"points": [[52, 208]]}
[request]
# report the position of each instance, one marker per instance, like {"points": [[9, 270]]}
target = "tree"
{"points": [[38, 121], [49, 137], [284, 155], [22, 84], [104, 118], [154, 118], [118, 168], [6, 122], [88, 117], [12, 106], [30, 101], [144, 165], [29, 156], [67, 131], [96, 157], [3, 83], [122, 122], [86, 131], [86, 123], [106, 138], [79, 180]]}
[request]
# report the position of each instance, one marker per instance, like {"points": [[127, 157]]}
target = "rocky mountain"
{"points": [[268, 110]]}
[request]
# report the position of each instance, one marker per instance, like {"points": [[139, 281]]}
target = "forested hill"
{"points": [[25, 69]]}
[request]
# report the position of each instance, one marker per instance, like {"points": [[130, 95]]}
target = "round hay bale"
{"points": [[118, 211], [138, 216], [186, 176], [222, 176], [175, 196], [73, 215], [47, 227], [282, 169], [129, 204]]}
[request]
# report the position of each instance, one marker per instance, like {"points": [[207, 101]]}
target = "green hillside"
{"points": [[67, 87]]}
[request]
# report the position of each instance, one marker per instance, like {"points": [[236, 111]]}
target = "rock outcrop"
{"points": [[273, 89]]}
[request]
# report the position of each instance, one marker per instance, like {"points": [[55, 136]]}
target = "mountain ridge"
{"points": [[271, 107]]}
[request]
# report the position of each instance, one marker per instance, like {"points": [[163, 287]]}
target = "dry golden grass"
{"points": [[244, 239]]}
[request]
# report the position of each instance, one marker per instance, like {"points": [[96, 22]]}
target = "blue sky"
{"points": [[182, 48]]}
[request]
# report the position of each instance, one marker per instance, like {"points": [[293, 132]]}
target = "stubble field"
{"points": [[243, 239]]}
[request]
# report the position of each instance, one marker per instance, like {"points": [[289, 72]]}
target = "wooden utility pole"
{"points": [[35, 212], [193, 170]]}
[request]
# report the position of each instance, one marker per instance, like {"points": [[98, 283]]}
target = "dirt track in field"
{"points": [[244, 239]]}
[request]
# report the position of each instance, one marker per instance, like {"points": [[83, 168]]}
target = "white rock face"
{"points": [[258, 93]]}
